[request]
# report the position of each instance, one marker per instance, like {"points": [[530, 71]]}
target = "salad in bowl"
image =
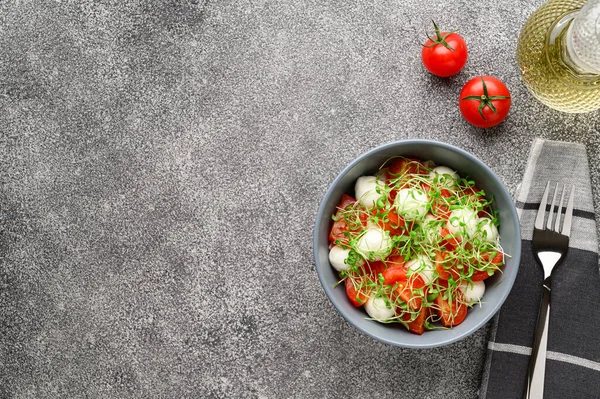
{"points": [[417, 243]]}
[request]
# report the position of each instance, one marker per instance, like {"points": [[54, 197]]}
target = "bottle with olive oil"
{"points": [[559, 55]]}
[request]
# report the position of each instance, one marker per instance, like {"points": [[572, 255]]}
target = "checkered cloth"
{"points": [[573, 358]]}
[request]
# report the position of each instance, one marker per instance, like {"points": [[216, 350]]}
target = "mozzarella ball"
{"points": [[473, 292], [422, 264], [411, 203], [488, 230], [338, 257], [445, 176], [365, 190], [463, 221], [374, 243], [378, 309]]}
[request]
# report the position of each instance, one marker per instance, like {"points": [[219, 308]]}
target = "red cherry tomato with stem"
{"points": [[445, 54], [484, 101]]}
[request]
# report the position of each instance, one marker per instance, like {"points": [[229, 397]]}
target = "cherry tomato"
{"points": [[484, 101], [445, 54]]}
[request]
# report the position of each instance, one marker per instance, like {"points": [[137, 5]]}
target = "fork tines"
{"points": [[539, 220]]}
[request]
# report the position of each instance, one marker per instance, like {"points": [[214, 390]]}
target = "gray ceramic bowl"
{"points": [[467, 165]]}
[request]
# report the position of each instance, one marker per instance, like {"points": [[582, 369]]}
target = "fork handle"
{"points": [[537, 361]]}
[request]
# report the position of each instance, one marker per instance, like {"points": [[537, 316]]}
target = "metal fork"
{"points": [[550, 246]]}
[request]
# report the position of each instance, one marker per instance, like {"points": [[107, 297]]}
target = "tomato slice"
{"points": [[441, 210], [396, 221], [402, 166], [394, 274], [498, 260], [451, 313], [450, 241], [418, 324], [395, 260], [394, 224], [357, 297], [374, 268], [485, 212], [398, 224], [346, 201], [396, 266], [441, 267], [397, 167], [337, 233], [340, 227], [472, 190], [406, 288], [480, 275]]}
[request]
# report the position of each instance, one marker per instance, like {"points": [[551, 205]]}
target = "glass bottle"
{"points": [[559, 55]]}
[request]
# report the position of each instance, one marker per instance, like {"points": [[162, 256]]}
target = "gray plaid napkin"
{"points": [[573, 359]]}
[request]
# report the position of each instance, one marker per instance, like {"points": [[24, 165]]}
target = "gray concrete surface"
{"points": [[161, 165]]}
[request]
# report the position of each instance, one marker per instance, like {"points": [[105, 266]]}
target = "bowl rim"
{"points": [[516, 256]]}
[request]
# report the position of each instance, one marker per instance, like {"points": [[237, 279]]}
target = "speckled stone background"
{"points": [[161, 165]]}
